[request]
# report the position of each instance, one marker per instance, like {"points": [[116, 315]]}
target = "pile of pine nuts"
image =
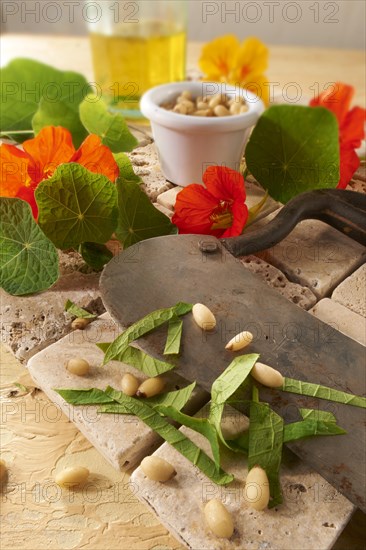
{"points": [[217, 105]]}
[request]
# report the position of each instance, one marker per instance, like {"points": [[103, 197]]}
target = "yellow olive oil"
{"points": [[125, 66]]}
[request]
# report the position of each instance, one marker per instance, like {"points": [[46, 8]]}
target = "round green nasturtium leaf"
{"points": [[111, 128], [77, 206], [25, 83], [293, 149], [28, 260], [138, 219]]}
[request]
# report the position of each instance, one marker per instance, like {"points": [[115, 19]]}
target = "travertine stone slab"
{"points": [[341, 318], [311, 516], [122, 439], [299, 295], [165, 211], [352, 291], [316, 255], [146, 164], [168, 198], [30, 323]]}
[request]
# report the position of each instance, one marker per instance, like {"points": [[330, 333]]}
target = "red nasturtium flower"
{"points": [[217, 209], [21, 171], [337, 98]]}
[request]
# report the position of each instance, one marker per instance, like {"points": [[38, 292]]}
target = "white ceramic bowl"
{"points": [[187, 145]]}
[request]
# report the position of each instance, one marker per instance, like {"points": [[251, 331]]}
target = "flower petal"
{"points": [[96, 157], [352, 131], [50, 148], [224, 183], [337, 98], [13, 170], [258, 85], [251, 59], [192, 211], [218, 57], [27, 194], [349, 162], [240, 214]]}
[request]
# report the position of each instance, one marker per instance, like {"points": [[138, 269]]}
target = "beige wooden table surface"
{"points": [[36, 438]]}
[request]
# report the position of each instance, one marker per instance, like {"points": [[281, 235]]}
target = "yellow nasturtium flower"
{"points": [[225, 59]]}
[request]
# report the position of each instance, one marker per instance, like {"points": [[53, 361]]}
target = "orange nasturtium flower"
{"points": [[227, 60], [337, 98], [217, 209], [22, 170]]}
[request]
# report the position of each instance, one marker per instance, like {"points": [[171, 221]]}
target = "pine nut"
{"points": [[215, 100], [257, 488], [243, 109], [73, 476], [218, 519], [201, 105], [205, 112], [129, 384], [78, 366], [186, 94], [220, 110], [235, 108], [267, 376], [150, 387], [80, 323], [157, 468], [3, 470], [185, 104], [240, 341], [204, 317]]}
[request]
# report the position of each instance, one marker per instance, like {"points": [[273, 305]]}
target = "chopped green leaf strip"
{"points": [[28, 260], [227, 384], [322, 392], [79, 312], [265, 445], [76, 206], [232, 377], [137, 358], [316, 414], [21, 387], [93, 396], [177, 398], [173, 436], [306, 428], [240, 444], [111, 128], [175, 329], [142, 327], [200, 425], [138, 218]]}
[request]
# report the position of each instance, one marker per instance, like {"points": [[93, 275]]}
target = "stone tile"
{"points": [[312, 515], [165, 211], [30, 323], [146, 164], [299, 295], [315, 255], [352, 291], [122, 439], [341, 318], [168, 198], [255, 194]]}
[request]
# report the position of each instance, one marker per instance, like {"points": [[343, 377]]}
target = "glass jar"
{"points": [[135, 46]]}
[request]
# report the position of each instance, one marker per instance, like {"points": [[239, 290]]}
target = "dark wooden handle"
{"points": [[344, 210]]}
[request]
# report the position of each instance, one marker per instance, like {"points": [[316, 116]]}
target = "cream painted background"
{"points": [[338, 24]]}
